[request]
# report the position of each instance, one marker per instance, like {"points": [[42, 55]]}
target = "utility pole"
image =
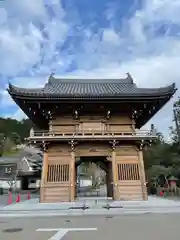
{"points": [[176, 122]]}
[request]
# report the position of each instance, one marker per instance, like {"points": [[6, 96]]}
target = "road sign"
{"points": [[61, 232]]}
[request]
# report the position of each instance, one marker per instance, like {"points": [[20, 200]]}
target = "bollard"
{"points": [[9, 198], [18, 199], [161, 193], [28, 196]]}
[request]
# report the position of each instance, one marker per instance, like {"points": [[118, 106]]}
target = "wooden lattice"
{"points": [[58, 173], [128, 171]]}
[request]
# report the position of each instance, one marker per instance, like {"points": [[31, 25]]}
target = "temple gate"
{"points": [[79, 118]]}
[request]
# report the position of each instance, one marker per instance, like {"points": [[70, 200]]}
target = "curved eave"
{"points": [[13, 90], [39, 94], [38, 121], [142, 120]]}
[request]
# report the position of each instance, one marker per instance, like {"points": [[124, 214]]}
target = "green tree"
{"points": [[175, 129], [9, 126], [157, 170], [2, 138], [161, 158]]}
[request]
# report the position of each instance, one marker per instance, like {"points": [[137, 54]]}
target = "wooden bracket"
{"points": [[76, 114], [141, 145], [108, 115], [114, 143], [44, 146], [72, 143]]}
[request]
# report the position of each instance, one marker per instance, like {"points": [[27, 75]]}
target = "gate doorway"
{"points": [[93, 177]]}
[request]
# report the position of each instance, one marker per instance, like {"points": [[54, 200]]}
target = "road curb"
{"points": [[67, 215], [90, 208], [85, 213]]}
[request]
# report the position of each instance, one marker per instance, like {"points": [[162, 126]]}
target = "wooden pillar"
{"points": [[108, 183], [75, 181], [109, 180], [72, 177], [44, 174], [72, 172], [142, 175], [114, 174]]}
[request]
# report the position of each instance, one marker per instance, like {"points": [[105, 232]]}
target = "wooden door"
{"points": [[57, 185], [129, 184]]}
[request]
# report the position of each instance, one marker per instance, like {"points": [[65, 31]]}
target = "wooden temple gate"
{"points": [[91, 110], [59, 172]]}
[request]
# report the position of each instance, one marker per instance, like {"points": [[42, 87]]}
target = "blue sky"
{"points": [[104, 38]]}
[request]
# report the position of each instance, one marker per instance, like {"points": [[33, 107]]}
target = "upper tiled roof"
{"points": [[89, 88]]}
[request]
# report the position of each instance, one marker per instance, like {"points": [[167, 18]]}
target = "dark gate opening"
{"points": [[94, 177]]}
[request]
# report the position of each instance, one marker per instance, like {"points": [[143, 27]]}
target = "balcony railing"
{"points": [[50, 135]]}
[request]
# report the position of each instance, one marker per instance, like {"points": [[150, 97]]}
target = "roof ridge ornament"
{"points": [[51, 77], [129, 77], [10, 86]]}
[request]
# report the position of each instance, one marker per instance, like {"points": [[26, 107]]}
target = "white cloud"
{"points": [[30, 82], [3, 16], [19, 115], [19, 51], [28, 10], [21, 40], [6, 100], [111, 37], [161, 10]]}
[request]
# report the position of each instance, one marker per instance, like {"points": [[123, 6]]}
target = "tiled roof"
{"points": [[9, 160], [82, 88]]}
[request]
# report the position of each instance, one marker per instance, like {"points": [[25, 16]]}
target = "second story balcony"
{"points": [[91, 135]]}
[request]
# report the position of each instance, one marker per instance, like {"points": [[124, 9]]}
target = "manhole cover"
{"points": [[12, 230]]}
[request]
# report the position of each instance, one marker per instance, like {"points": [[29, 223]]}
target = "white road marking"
{"points": [[61, 232]]}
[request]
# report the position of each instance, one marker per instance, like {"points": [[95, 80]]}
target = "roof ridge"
{"points": [[54, 80]]}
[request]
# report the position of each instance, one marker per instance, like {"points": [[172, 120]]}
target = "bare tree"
{"points": [[8, 145]]}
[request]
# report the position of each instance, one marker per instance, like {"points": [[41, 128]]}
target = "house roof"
{"points": [[9, 160], [90, 88], [32, 156]]}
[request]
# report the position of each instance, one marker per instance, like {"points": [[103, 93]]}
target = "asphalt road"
{"points": [[136, 227]]}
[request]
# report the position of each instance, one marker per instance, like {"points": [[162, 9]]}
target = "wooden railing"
{"points": [[81, 134]]}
